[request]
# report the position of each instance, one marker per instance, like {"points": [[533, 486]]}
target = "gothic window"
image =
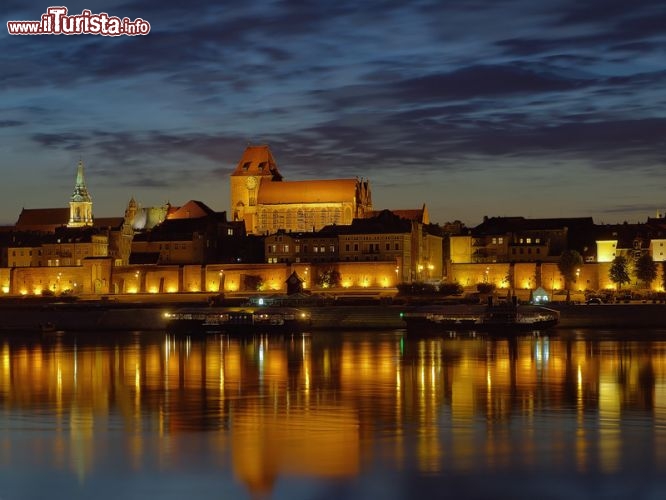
{"points": [[300, 219]]}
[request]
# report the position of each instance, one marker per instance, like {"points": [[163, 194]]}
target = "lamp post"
{"points": [[577, 276]]}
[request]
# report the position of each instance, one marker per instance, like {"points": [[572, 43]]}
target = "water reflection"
{"points": [[327, 405]]}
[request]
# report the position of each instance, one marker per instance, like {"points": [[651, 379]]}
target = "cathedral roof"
{"points": [[112, 222], [38, 218], [258, 160], [319, 191], [193, 209], [416, 214]]}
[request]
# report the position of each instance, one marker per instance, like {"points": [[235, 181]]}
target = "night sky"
{"points": [[474, 107]]}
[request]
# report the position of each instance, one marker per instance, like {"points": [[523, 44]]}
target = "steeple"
{"points": [[80, 189], [80, 204]]}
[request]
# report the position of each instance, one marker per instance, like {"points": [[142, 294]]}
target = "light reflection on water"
{"points": [[578, 414]]}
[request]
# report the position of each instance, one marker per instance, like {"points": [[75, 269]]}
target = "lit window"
{"points": [[538, 240], [500, 240], [494, 241], [230, 232], [529, 240]]}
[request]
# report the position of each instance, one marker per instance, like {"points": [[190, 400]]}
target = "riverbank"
{"points": [[150, 316]]}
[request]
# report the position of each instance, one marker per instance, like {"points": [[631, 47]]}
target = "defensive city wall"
{"points": [[97, 276]]}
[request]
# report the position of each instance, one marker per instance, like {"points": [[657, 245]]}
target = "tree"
{"points": [[329, 279], [253, 282], [570, 261], [646, 270], [619, 271]]}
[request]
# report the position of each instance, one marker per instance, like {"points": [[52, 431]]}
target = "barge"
{"points": [[503, 318], [204, 320]]}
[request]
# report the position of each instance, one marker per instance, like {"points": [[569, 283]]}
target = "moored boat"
{"points": [[237, 320], [503, 318]]}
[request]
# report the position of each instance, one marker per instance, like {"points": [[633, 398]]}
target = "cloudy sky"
{"points": [[473, 107]]}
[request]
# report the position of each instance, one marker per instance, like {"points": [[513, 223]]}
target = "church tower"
{"points": [[80, 204], [256, 167]]}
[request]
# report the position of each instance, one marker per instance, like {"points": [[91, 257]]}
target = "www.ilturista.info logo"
{"points": [[55, 21]]}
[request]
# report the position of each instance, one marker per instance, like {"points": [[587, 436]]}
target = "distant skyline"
{"points": [[479, 107]]}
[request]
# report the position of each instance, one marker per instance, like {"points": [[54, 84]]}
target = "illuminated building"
{"points": [[386, 237], [517, 239], [301, 247], [266, 203], [191, 234]]}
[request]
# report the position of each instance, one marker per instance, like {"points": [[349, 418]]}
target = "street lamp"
{"points": [[577, 276]]}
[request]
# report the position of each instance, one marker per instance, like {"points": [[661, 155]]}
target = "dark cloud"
{"points": [[482, 81], [11, 123], [65, 140]]}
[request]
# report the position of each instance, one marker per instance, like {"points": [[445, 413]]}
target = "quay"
{"points": [[148, 314]]}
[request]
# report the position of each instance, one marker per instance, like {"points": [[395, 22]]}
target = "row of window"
{"points": [[522, 251], [50, 251], [371, 248], [500, 240], [49, 263], [176, 246], [297, 248]]}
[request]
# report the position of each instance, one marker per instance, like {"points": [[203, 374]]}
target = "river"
{"points": [[576, 414]]}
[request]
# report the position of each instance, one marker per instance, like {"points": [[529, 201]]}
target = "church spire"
{"points": [[80, 189], [80, 204]]}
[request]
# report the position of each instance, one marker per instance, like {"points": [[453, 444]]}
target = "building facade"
{"points": [[266, 203]]}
